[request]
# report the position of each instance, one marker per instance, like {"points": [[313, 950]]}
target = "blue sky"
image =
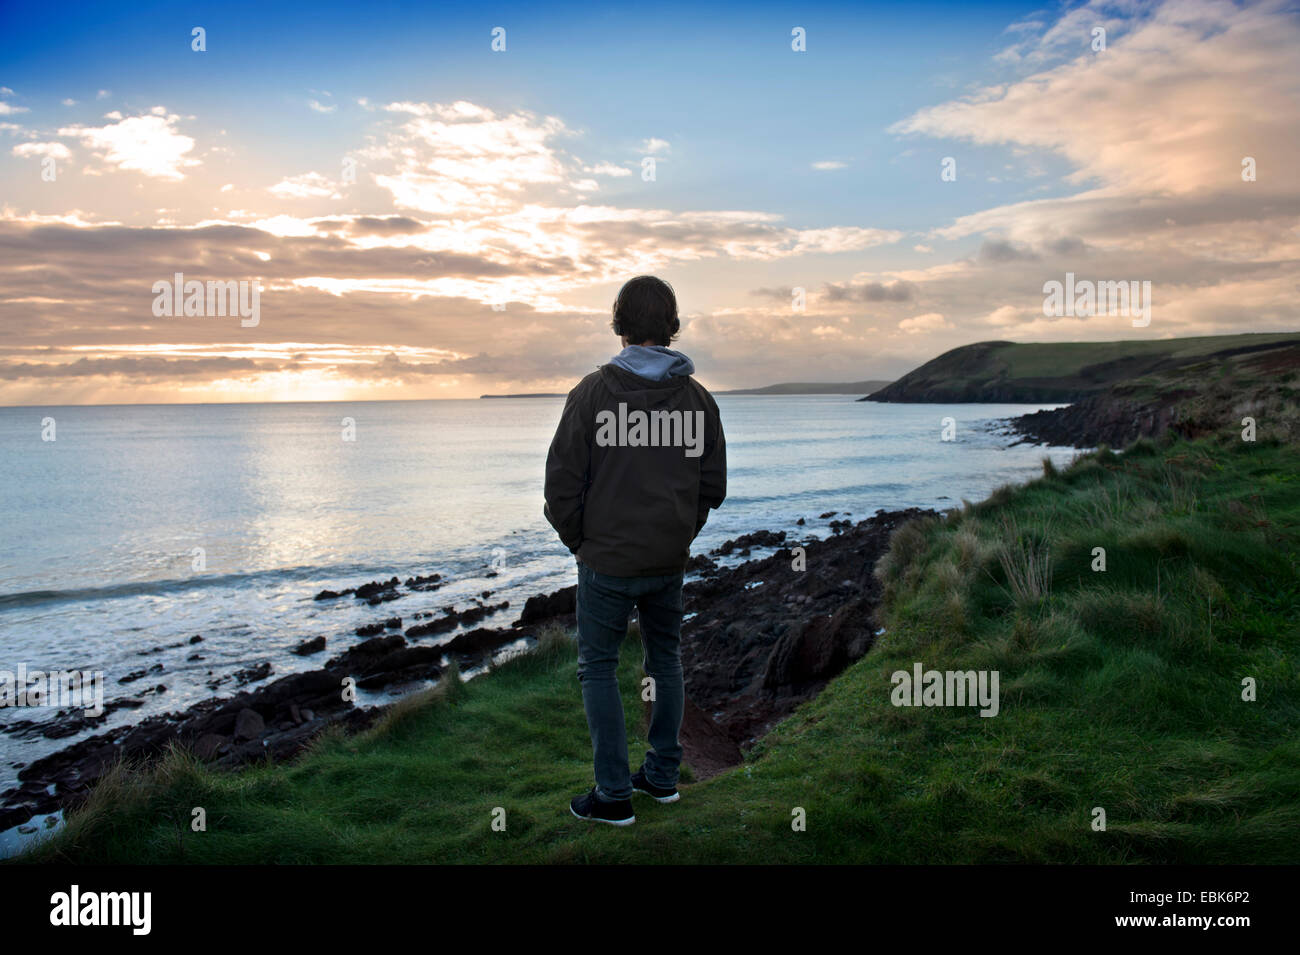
{"points": [[724, 80], [775, 169]]}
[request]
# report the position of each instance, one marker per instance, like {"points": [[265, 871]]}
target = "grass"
{"points": [[1045, 359], [1120, 689], [1065, 371]]}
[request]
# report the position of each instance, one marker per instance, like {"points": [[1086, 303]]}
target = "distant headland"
{"points": [[785, 388], [536, 394]]}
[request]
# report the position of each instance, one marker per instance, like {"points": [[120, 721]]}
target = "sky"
{"points": [[441, 201]]}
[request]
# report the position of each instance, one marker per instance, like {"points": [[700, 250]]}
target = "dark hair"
{"points": [[646, 311]]}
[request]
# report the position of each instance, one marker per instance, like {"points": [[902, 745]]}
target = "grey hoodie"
{"points": [[653, 362]]}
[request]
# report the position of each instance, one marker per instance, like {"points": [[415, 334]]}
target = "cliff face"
{"points": [[1190, 400], [1100, 419]]}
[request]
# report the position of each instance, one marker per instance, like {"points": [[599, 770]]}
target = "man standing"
{"points": [[637, 461]]}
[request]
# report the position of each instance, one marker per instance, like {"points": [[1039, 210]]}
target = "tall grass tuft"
{"points": [[1026, 560]]}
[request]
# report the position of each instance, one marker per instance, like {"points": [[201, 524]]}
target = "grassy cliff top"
{"points": [[1062, 371]]}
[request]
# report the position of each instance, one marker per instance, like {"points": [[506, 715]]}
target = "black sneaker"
{"points": [[588, 807], [658, 793]]}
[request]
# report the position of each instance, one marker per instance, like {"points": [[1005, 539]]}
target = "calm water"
{"points": [[100, 525]]}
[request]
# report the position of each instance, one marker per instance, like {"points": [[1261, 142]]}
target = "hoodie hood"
{"points": [[653, 362], [662, 379]]}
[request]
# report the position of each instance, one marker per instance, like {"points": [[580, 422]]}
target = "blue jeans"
{"points": [[604, 603]]}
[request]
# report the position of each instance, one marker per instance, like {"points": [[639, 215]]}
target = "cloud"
{"points": [[309, 185], [897, 291], [7, 109], [827, 164], [54, 150], [999, 250], [607, 169], [1156, 112], [653, 146], [498, 176], [149, 144], [321, 107], [1153, 132], [462, 157], [929, 322], [145, 368], [385, 225], [364, 282], [1005, 315]]}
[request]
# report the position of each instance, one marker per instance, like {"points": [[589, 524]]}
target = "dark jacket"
{"points": [[628, 501]]}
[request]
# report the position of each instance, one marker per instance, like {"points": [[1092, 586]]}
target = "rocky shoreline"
{"points": [[758, 639], [765, 636]]}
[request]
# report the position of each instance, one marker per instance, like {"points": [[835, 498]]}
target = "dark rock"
{"points": [[562, 603], [249, 724], [746, 541], [375, 588], [455, 619], [308, 647], [362, 658], [139, 674], [252, 674], [478, 643], [813, 653], [701, 564], [207, 746]]}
